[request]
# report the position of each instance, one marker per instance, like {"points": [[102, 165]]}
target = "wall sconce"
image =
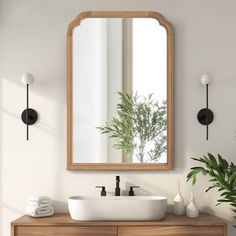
{"points": [[29, 116], [205, 116]]}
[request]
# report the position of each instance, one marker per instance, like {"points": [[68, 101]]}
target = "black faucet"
{"points": [[117, 189]]}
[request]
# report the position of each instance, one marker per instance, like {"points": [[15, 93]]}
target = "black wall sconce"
{"points": [[205, 116], [29, 116]]}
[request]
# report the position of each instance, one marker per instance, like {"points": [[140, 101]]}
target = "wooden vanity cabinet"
{"points": [[171, 230], [63, 225], [65, 231]]}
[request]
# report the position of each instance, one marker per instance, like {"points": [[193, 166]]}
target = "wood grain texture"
{"points": [[116, 166], [12, 229], [64, 219], [65, 231], [62, 224], [171, 230], [170, 130]]}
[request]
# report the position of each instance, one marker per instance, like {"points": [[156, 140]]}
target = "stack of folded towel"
{"points": [[39, 206]]}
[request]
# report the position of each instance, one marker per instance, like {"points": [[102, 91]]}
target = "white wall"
{"points": [[33, 39]]}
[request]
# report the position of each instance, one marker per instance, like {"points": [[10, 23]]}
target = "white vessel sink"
{"points": [[117, 208]]}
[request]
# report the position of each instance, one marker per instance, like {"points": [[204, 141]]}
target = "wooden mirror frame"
{"points": [[170, 134]]}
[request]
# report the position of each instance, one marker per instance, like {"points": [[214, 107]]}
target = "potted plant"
{"points": [[222, 176]]}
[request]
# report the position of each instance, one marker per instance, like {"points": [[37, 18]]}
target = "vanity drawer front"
{"points": [[64, 231], [171, 230]]}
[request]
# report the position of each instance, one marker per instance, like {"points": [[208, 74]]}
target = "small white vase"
{"points": [[192, 210], [179, 208]]}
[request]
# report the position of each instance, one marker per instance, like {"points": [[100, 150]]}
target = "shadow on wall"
{"points": [[53, 129], [60, 206]]}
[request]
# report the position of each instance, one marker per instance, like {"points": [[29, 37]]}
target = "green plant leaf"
{"points": [[222, 176], [209, 188]]}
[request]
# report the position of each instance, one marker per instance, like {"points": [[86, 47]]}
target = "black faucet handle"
{"points": [[103, 192], [131, 190], [118, 178]]}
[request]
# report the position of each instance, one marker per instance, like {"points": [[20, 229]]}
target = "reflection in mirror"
{"points": [[112, 55]]}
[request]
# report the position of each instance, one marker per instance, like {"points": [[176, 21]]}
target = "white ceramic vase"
{"points": [[192, 210], [179, 208]]}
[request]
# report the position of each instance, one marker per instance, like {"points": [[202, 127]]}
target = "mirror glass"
{"points": [[115, 59]]}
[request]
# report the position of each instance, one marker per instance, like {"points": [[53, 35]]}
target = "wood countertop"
{"points": [[63, 219]]}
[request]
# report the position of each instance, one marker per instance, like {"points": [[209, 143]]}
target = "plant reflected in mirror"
{"points": [[140, 127]]}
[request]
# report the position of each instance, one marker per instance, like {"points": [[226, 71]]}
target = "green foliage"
{"points": [[222, 176], [139, 122]]}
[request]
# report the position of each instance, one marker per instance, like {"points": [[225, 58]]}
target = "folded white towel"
{"points": [[43, 211], [34, 208], [38, 204], [40, 199], [39, 211]]}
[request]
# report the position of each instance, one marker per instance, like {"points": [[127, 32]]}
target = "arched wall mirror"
{"points": [[120, 92]]}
